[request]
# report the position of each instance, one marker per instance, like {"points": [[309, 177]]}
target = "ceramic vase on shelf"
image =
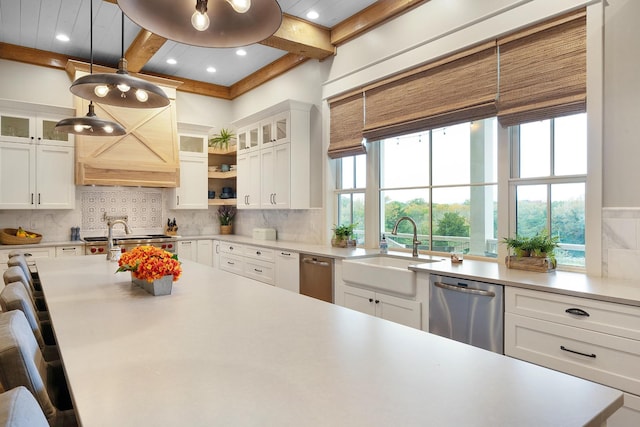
{"points": [[161, 286], [226, 229]]}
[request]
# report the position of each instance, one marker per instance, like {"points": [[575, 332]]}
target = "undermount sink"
{"points": [[383, 272]]}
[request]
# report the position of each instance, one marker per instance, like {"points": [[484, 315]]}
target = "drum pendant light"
{"points": [[90, 124], [206, 23], [120, 88]]}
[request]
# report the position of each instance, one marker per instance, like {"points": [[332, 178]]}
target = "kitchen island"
{"points": [[226, 350]]}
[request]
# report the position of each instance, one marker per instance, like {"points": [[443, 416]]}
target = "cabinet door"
{"points": [[187, 249], [15, 127], [17, 175], [281, 128], [248, 165], [192, 192], [266, 134], [288, 271], [205, 252], [398, 310], [54, 179], [47, 134], [216, 254], [360, 300], [276, 177]]}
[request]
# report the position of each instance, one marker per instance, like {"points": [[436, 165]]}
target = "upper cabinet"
{"points": [[191, 192], [281, 169], [36, 161]]}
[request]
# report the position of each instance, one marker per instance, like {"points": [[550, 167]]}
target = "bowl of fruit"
{"points": [[19, 236]]}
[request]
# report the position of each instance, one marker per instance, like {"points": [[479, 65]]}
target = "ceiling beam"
{"points": [[374, 15], [142, 49], [300, 37], [32, 56], [267, 73]]}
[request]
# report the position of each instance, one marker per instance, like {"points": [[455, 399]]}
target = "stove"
{"points": [[98, 245]]}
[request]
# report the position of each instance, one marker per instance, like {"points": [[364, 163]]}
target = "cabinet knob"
{"points": [[370, 299], [377, 301], [258, 253]]}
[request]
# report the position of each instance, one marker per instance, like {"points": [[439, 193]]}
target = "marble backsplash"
{"points": [[148, 210], [620, 242]]}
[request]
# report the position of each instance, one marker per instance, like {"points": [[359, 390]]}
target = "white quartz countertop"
{"points": [[562, 282], [229, 351]]}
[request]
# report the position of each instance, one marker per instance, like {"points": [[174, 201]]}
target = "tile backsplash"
{"points": [[148, 210], [620, 242]]}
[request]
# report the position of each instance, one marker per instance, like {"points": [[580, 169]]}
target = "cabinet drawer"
{"points": [[69, 251], [606, 359], [256, 252], [263, 271], [231, 248], [232, 263], [601, 316]]}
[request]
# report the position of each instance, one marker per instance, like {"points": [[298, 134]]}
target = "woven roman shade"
{"points": [[456, 89], [543, 71], [347, 120]]}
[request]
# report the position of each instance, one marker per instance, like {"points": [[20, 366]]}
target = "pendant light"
{"points": [[206, 23], [90, 124], [120, 88]]}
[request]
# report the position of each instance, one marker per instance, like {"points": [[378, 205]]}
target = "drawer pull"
{"points": [[257, 270], [231, 263], [285, 254], [563, 348], [577, 312]]}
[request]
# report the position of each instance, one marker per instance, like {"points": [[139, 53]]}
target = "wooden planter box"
{"points": [[530, 263]]}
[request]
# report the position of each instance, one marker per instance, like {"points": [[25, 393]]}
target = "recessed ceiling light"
{"points": [[172, 61], [312, 14], [241, 52], [62, 37], [211, 70]]}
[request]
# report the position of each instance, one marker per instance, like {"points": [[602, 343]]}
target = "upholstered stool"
{"points": [[16, 274], [21, 261], [18, 408], [22, 364]]}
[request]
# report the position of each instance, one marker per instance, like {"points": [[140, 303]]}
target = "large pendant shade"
{"points": [[90, 125], [171, 19]]}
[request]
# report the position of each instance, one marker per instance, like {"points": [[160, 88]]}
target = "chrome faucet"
{"points": [[111, 221], [416, 242]]}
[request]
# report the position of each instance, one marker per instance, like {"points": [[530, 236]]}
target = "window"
{"points": [[548, 182], [351, 185], [446, 181]]}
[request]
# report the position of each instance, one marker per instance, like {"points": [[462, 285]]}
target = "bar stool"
{"points": [[21, 261], [16, 274], [22, 364], [18, 408], [14, 297]]}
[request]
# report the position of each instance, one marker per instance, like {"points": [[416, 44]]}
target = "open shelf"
{"points": [[229, 151], [223, 175], [221, 202]]}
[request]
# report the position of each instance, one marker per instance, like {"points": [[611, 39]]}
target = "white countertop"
{"points": [[225, 350]]}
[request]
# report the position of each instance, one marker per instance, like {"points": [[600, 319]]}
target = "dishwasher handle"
{"points": [[465, 289], [315, 262]]}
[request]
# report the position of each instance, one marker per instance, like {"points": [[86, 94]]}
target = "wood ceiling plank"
{"points": [[267, 73], [372, 16], [302, 38], [142, 49]]}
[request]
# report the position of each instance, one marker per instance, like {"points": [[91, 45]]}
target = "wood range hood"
{"points": [[146, 156]]}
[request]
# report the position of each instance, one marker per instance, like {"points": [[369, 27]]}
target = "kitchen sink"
{"points": [[383, 272]]}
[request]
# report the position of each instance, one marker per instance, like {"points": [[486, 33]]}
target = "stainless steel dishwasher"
{"points": [[316, 277], [467, 311]]}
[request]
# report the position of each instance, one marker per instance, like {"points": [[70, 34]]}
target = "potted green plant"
{"points": [[541, 247], [342, 235], [221, 140], [225, 215]]}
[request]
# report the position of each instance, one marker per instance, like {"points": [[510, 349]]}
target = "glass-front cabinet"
{"points": [[25, 128], [276, 129]]}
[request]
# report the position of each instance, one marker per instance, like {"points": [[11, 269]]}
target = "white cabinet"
{"points": [[187, 249], [249, 176], [36, 176], [192, 191], [254, 262], [288, 270], [275, 164], [404, 311], [216, 253], [287, 173], [204, 252], [595, 340], [23, 127], [69, 250], [36, 253]]}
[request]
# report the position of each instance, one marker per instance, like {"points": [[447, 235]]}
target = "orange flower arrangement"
{"points": [[150, 263]]}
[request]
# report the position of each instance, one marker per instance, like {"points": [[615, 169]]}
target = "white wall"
{"points": [[203, 110], [29, 83]]}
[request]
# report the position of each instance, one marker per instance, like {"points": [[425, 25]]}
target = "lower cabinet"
{"points": [[187, 249], [398, 310], [249, 261], [288, 270], [71, 250], [204, 252], [595, 340]]}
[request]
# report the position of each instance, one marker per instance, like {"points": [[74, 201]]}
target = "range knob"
{"points": [[93, 250], [100, 249]]}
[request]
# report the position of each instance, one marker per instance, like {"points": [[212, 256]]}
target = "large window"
{"points": [[351, 185], [548, 179], [446, 181]]}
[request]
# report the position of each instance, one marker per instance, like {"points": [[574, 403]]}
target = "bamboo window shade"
{"points": [[543, 71], [456, 89], [347, 121]]}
